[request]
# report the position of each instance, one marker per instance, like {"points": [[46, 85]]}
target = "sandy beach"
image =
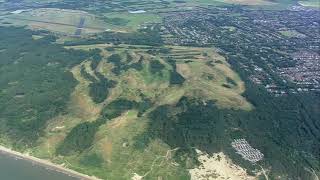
{"points": [[47, 164]]}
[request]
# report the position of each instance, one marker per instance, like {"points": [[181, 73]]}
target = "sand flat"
{"points": [[218, 167]]}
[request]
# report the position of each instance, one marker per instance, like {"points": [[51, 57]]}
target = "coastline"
{"points": [[46, 164]]}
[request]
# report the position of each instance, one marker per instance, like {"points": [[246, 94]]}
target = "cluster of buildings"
{"points": [[174, 24], [279, 49], [305, 73], [247, 152]]}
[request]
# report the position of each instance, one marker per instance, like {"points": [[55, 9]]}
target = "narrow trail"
{"points": [[166, 158], [316, 177], [264, 173]]}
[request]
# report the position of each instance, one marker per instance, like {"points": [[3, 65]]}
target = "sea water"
{"points": [[12, 168]]}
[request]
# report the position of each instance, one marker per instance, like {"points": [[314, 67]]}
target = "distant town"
{"points": [[283, 45]]}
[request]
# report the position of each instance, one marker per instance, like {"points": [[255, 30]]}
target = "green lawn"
{"points": [[131, 21], [291, 33]]}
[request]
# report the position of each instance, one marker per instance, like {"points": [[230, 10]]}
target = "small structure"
{"points": [[246, 151], [137, 12]]}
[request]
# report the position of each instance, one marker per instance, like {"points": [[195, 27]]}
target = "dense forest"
{"points": [[285, 128], [35, 85], [274, 127]]}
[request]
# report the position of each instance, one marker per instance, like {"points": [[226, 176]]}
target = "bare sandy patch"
{"points": [[119, 122], [136, 177], [184, 70], [107, 149], [218, 167], [87, 66]]}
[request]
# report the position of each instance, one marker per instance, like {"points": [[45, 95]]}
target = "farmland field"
{"points": [[130, 21]]}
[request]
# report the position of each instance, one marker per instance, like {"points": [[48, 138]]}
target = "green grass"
{"points": [[65, 21], [119, 148], [195, 73], [291, 33], [118, 139], [310, 3], [129, 21]]}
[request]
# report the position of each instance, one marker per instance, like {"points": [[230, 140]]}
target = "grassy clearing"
{"points": [[116, 143], [291, 33], [205, 71], [206, 76], [129, 21]]}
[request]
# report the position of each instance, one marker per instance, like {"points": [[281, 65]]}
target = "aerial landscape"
{"points": [[160, 89]]}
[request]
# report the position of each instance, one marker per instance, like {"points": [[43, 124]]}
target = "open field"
{"points": [[65, 21], [131, 21], [205, 71], [56, 20], [116, 16], [310, 3], [292, 33]]}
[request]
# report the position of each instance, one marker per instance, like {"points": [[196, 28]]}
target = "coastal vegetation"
{"points": [[115, 86], [136, 95], [35, 85]]}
